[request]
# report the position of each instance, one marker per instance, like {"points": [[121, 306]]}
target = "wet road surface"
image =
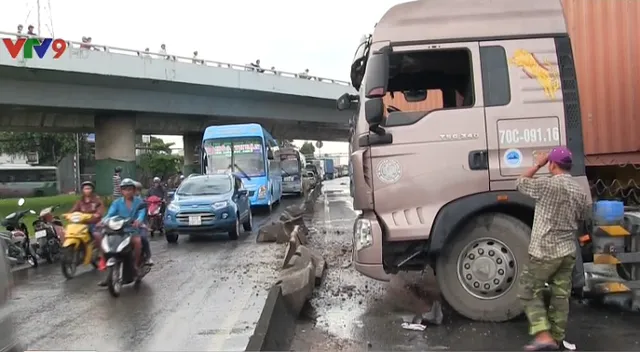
{"points": [[350, 312], [202, 295]]}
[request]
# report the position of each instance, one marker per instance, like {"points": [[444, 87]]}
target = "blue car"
{"points": [[206, 204]]}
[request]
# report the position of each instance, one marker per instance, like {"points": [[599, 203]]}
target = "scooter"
{"points": [[119, 253], [78, 248], [154, 205], [48, 228], [19, 248]]}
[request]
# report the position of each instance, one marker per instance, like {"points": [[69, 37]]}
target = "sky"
{"points": [[290, 35]]}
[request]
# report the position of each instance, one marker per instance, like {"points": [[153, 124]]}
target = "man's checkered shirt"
{"points": [[560, 206]]}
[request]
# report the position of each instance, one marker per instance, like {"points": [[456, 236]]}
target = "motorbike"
{"points": [[154, 205], [78, 248], [47, 229], [119, 253], [19, 249]]}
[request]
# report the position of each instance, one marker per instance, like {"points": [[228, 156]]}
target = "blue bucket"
{"points": [[609, 211]]}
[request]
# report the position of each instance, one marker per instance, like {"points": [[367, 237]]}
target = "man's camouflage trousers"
{"points": [[558, 274]]}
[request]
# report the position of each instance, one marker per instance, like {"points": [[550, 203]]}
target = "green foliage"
{"points": [[51, 147], [308, 149], [158, 160]]}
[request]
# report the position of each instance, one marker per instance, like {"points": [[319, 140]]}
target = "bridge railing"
{"points": [[177, 58]]}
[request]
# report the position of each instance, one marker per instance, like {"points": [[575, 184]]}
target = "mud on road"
{"points": [[350, 312], [202, 295]]}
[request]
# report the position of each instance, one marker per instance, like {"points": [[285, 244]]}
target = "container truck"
{"points": [[319, 164], [447, 117]]}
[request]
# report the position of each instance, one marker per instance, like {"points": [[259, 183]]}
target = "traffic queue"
{"points": [[105, 239]]}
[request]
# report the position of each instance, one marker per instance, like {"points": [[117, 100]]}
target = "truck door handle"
{"points": [[479, 160]]}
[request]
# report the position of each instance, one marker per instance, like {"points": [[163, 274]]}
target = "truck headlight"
{"points": [[362, 234], [173, 208]]}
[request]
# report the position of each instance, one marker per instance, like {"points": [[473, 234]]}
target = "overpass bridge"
{"points": [[118, 93]]}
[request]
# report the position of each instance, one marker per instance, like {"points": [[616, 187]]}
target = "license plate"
{"points": [[195, 221], [41, 233]]}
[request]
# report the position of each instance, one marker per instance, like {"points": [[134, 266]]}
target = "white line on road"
{"points": [[225, 329]]}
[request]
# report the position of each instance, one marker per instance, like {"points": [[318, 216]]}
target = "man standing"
{"points": [[117, 193], [561, 204]]}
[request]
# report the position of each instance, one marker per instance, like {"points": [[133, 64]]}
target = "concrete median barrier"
{"points": [[302, 270]]}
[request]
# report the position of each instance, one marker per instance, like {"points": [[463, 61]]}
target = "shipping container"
{"points": [[605, 35]]}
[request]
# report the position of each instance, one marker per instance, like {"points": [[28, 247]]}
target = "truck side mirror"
{"points": [[374, 111], [270, 154], [343, 102], [377, 74]]}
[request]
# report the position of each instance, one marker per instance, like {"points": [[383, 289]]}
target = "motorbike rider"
{"points": [[158, 190], [89, 203], [176, 180], [144, 229], [123, 207]]}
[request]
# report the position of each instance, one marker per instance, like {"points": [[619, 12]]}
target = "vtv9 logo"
{"points": [[40, 46]]}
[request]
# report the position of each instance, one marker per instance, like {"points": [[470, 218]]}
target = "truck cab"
{"points": [[455, 98]]}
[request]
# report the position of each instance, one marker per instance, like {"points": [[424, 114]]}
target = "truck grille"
{"points": [[183, 218]]}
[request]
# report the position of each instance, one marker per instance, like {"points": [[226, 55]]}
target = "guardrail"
{"points": [[183, 59]]}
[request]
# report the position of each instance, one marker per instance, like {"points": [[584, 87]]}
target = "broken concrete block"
{"points": [[274, 232], [298, 280], [320, 266], [301, 232], [290, 251]]}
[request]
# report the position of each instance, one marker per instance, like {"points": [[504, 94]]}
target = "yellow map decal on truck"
{"points": [[545, 74]]}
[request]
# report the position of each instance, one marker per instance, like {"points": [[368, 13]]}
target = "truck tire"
{"points": [[479, 269]]}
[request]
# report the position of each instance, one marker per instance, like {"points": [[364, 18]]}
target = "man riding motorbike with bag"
{"points": [[124, 207], [89, 203]]}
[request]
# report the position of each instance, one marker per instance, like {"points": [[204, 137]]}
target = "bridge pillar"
{"points": [[115, 146], [191, 144]]}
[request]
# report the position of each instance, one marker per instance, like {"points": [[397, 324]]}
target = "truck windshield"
{"points": [[243, 156], [290, 165]]}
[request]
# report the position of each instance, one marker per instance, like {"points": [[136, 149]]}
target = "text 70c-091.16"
{"points": [[529, 135]]}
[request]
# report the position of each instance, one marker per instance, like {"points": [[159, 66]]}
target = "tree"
{"points": [[51, 147], [308, 149], [158, 160]]}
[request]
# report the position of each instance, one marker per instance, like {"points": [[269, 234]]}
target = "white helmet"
{"points": [[156, 179], [182, 177]]}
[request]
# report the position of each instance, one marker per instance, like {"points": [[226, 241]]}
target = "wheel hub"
{"points": [[487, 268]]}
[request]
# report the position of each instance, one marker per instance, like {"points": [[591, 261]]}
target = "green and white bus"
{"points": [[23, 180]]}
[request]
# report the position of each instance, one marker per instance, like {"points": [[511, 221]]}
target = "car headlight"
{"points": [[123, 244], [262, 192], [173, 207], [115, 224], [362, 234], [219, 205]]}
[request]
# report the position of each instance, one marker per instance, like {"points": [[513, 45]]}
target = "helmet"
{"points": [[156, 179], [127, 182], [88, 183], [138, 185], [117, 169], [182, 177]]}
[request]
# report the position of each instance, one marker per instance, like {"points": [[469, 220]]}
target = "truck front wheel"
{"points": [[478, 270]]}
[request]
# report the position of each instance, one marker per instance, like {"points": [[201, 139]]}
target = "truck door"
{"points": [[523, 105], [436, 156]]}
